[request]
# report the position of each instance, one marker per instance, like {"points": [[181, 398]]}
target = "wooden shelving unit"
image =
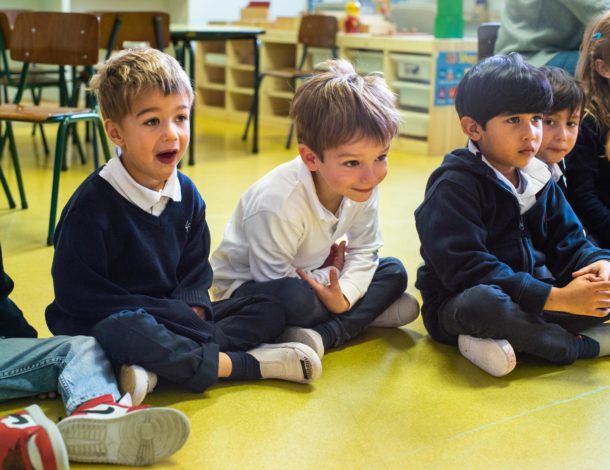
{"points": [[429, 128]]}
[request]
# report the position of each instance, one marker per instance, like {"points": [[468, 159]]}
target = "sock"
{"points": [[588, 348], [601, 334], [329, 337], [245, 366]]}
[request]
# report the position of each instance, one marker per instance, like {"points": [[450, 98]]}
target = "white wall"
{"points": [[203, 11]]}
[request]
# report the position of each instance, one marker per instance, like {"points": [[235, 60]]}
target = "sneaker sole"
{"points": [[141, 437], [489, 348], [57, 442]]}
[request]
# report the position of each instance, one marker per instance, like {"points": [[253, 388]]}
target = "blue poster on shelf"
{"points": [[450, 68]]}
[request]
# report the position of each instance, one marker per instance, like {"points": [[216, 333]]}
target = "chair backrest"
{"points": [[7, 22], [487, 33], [318, 31], [55, 38], [118, 27]]}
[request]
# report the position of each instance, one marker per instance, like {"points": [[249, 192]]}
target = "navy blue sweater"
{"points": [[588, 176], [110, 256], [472, 233]]}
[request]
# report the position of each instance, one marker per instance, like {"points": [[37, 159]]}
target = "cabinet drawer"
{"points": [[414, 124], [367, 61], [413, 95], [413, 67]]}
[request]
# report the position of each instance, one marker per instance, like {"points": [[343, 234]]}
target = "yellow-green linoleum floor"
{"points": [[392, 399]]}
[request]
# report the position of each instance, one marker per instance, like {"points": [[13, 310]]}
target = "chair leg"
{"points": [[16, 165], [60, 150], [7, 191], [102, 133]]}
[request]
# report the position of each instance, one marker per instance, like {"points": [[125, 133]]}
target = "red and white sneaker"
{"points": [[104, 431], [29, 440]]}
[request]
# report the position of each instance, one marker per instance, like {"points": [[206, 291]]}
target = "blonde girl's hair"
{"points": [[596, 45], [338, 105], [123, 77]]}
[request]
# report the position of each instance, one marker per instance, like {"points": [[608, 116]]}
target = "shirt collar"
{"points": [[115, 172]]}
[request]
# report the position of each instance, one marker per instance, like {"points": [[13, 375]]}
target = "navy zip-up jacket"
{"points": [[472, 233]]}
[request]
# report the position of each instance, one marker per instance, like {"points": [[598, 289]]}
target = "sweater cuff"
{"points": [[534, 295], [196, 297]]}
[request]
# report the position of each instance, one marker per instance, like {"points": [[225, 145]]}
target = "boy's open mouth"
{"points": [[167, 157]]}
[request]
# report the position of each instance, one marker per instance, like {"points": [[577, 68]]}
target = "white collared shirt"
{"points": [[280, 226], [532, 179], [153, 202]]}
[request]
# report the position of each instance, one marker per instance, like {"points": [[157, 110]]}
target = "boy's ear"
{"points": [[114, 132], [602, 68], [309, 157], [471, 128]]}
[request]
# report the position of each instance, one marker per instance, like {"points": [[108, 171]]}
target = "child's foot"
{"points": [[29, 439], [296, 334], [136, 381], [494, 356], [295, 362], [104, 431], [403, 311]]}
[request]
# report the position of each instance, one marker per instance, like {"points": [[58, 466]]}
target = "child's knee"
{"points": [[393, 271]]}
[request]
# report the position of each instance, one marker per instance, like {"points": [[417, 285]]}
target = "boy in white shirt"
{"points": [[285, 237]]}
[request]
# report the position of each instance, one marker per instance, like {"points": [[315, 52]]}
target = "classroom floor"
{"points": [[392, 399]]}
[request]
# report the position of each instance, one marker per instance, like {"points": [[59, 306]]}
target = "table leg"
{"points": [[255, 98]]}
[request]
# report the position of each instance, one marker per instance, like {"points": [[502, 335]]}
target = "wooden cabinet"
{"points": [[414, 67]]}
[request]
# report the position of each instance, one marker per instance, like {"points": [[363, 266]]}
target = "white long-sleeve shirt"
{"points": [[280, 226]]}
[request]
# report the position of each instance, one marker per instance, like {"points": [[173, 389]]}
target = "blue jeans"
{"points": [[486, 311], [74, 366], [303, 308], [565, 60]]}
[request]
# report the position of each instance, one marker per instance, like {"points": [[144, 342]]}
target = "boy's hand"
{"points": [[336, 257], [200, 311], [585, 295], [331, 295], [601, 269]]}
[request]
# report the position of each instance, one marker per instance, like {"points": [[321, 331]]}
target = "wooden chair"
{"points": [[38, 79], [62, 39], [487, 33], [120, 27], [319, 31]]}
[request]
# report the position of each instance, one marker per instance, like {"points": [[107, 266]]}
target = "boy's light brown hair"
{"points": [[337, 105], [123, 77]]}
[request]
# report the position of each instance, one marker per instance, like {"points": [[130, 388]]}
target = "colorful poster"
{"points": [[450, 68]]}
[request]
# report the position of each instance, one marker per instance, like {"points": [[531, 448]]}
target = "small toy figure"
{"points": [[352, 23]]}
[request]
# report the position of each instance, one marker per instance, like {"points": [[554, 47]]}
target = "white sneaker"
{"points": [[295, 362], [403, 311], [136, 381], [297, 334], [494, 356], [104, 431]]}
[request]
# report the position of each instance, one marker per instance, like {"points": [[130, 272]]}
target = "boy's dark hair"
{"points": [[502, 84], [567, 91]]}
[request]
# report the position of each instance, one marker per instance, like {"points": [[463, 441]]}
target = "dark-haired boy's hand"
{"points": [[601, 269], [586, 295], [330, 295], [336, 257]]}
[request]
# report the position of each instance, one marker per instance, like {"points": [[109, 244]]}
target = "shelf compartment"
{"points": [[212, 97]]}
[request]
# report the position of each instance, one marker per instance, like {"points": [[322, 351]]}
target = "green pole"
{"points": [[449, 21]]}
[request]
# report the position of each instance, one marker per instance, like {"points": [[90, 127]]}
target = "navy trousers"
{"points": [[136, 337], [303, 308], [488, 312]]}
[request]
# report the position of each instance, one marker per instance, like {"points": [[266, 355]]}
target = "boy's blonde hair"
{"points": [[338, 105], [123, 77], [596, 45]]}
